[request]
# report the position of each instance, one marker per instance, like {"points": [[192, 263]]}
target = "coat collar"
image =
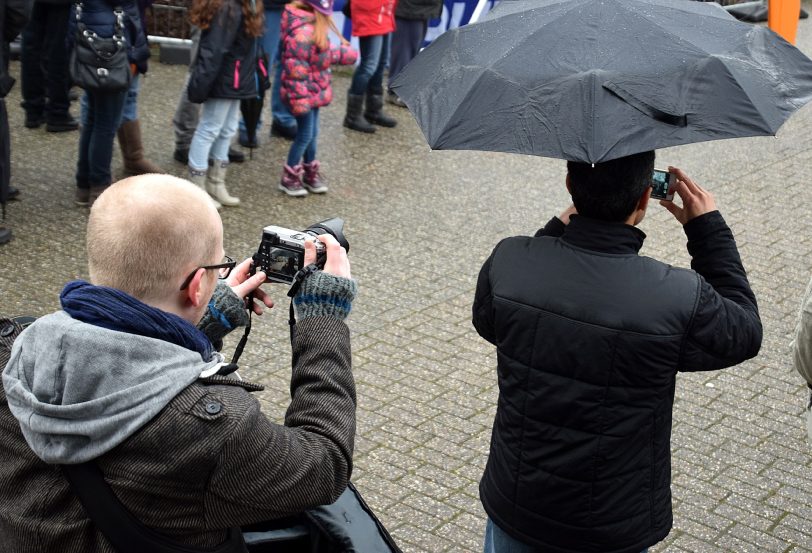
{"points": [[603, 236]]}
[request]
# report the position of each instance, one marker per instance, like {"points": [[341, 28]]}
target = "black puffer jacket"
{"points": [[590, 337], [225, 66], [421, 10]]}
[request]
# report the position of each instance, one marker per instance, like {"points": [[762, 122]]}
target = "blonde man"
{"points": [[802, 350], [119, 378]]}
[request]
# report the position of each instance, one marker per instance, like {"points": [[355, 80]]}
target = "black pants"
{"points": [[44, 58], [406, 42]]}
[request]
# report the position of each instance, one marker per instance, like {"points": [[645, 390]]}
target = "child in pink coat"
{"points": [[306, 58]]}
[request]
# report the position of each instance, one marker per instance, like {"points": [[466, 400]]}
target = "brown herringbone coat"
{"points": [[191, 472]]}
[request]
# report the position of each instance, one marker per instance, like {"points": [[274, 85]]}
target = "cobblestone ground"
{"points": [[420, 224]]}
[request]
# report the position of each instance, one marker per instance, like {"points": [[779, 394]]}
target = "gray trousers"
{"points": [[187, 114]]}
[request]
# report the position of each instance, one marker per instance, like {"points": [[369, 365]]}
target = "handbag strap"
{"points": [[126, 533], [118, 11]]}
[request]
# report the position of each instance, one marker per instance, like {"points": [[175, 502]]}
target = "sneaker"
{"points": [[284, 131], [82, 197], [62, 124], [291, 183], [13, 193]]}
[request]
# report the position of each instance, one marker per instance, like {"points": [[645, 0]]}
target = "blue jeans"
{"points": [[497, 541], [307, 132], [218, 124], [99, 125], [130, 111], [368, 76], [270, 43]]}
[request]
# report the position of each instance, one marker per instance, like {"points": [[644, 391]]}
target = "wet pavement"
{"points": [[420, 224]]}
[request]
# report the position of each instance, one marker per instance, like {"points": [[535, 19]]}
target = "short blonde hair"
{"points": [[144, 233]]}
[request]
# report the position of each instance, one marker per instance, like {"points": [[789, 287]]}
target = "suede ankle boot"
{"points": [[355, 119], [132, 150]]}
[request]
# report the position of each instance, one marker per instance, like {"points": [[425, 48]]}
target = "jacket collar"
{"points": [[603, 236]]}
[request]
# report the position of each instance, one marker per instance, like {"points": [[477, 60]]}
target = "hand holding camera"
{"points": [[696, 200], [336, 261], [243, 283]]}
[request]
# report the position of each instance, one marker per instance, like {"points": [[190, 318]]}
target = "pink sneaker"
{"points": [[291, 183], [312, 178]]}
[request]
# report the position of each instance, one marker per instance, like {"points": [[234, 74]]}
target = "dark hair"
{"points": [[609, 191]]}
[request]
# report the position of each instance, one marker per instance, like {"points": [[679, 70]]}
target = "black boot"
{"points": [[354, 119], [374, 112]]}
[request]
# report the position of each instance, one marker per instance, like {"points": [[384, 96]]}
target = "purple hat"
{"points": [[324, 6]]}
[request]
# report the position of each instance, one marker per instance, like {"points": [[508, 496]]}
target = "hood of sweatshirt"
{"points": [[80, 390]]}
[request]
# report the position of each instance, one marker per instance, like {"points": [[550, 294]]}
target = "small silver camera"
{"points": [[281, 252]]}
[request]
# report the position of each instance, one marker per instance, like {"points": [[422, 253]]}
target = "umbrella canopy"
{"points": [[594, 80]]}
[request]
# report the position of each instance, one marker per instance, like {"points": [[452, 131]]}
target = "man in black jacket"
{"points": [[590, 336], [13, 17]]}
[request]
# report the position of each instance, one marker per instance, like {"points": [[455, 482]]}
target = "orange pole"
{"points": [[782, 17]]}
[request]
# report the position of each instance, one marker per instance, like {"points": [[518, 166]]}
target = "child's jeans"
{"points": [[218, 124], [307, 132]]}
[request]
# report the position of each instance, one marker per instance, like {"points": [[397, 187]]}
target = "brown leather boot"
{"points": [[132, 150]]}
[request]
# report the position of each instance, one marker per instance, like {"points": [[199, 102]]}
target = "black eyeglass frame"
{"points": [[228, 266]]}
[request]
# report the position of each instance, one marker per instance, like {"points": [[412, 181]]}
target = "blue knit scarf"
{"points": [[113, 309]]}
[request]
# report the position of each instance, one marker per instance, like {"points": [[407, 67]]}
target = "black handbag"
{"points": [[100, 64]]}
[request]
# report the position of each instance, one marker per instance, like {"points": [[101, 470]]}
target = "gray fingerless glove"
{"points": [[325, 295], [225, 313]]}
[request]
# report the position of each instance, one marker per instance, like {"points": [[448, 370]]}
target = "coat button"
{"points": [[7, 331], [213, 408]]}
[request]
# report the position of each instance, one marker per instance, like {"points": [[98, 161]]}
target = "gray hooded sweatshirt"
{"points": [[80, 390]]}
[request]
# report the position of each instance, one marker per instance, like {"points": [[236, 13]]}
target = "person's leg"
{"points": [[105, 117], [291, 183], [312, 178], [83, 159], [186, 113], [57, 77], [5, 171], [406, 42], [216, 183], [370, 49], [374, 104], [498, 541], [31, 72], [212, 119], [370, 52], [129, 135], [283, 123]]}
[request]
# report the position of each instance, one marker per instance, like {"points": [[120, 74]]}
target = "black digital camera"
{"points": [[281, 252]]}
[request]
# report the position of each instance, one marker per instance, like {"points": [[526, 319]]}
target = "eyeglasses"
{"points": [[224, 269]]}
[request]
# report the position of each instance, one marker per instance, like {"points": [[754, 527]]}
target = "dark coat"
{"points": [[194, 471], [13, 17], [225, 66], [98, 16], [275, 4], [421, 10], [590, 336]]}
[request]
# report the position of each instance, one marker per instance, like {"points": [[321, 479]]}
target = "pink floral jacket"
{"points": [[305, 68]]}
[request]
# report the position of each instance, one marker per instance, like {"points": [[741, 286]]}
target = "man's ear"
{"points": [[642, 203], [194, 292]]}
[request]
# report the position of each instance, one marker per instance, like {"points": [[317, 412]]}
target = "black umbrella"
{"points": [[251, 108], [594, 80]]}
